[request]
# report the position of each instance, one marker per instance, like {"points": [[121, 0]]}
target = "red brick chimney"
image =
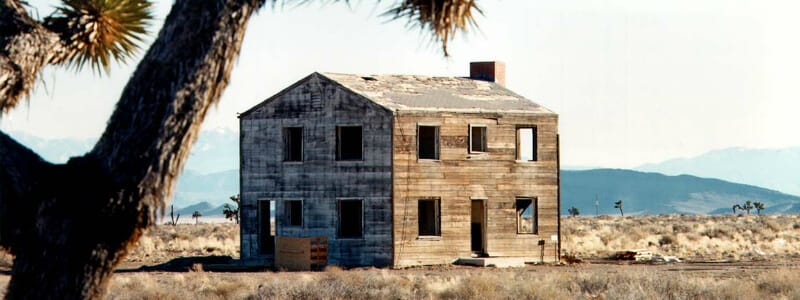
{"points": [[493, 71]]}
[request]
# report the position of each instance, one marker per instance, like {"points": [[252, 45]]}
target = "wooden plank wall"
{"points": [[459, 176], [318, 105]]}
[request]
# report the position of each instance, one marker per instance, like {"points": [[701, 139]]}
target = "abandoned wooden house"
{"points": [[400, 170]]}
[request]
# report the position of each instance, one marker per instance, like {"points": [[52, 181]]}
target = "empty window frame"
{"points": [[351, 217], [477, 138], [427, 142], [293, 212], [429, 217], [527, 215], [526, 143], [293, 144], [349, 143]]}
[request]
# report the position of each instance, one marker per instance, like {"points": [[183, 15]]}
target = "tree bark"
{"points": [[26, 46], [69, 225]]}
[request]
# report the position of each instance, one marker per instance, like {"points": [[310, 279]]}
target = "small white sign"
{"points": [[554, 238]]}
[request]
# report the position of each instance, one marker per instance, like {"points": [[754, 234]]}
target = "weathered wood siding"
{"points": [[458, 176], [318, 105]]}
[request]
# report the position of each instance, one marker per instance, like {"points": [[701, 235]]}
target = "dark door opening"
{"points": [[478, 228], [266, 219]]}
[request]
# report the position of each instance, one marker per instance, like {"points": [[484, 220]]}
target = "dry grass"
{"points": [[164, 242], [694, 237], [769, 243], [608, 282]]}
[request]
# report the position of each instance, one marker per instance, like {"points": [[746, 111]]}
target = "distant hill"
{"points": [[54, 150], [655, 193], [777, 169], [641, 192], [210, 175], [205, 208], [189, 210], [214, 188], [215, 150]]}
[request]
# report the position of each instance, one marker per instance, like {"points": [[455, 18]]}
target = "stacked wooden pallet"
{"points": [[301, 254]]}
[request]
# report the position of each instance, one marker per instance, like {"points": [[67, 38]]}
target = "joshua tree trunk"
{"points": [[123, 182]]}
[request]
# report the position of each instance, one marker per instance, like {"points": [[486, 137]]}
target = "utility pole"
{"points": [[596, 206]]}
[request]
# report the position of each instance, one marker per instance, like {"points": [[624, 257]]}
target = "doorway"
{"points": [[266, 226], [478, 227]]}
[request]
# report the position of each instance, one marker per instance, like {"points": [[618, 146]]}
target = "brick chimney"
{"points": [[493, 71]]}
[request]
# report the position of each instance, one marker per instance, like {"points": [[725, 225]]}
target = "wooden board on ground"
{"points": [[301, 254]]}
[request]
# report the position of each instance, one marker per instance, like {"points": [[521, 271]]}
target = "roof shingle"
{"points": [[426, 93]]}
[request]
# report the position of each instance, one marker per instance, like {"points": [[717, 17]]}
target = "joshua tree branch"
{"points": [[26, 46], [19, 176]]}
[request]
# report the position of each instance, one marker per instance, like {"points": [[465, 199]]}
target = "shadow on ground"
{"points": [[214, 263]]}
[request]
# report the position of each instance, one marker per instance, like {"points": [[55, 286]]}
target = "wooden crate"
{"points": [[301, 254]]}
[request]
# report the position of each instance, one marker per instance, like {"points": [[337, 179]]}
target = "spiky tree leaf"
{"points": [[443, 18], [98, 31]]}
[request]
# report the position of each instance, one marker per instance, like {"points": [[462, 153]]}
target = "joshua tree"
{"points": [[748, 205], [758, 206], [146, 140], [573, 211], [735, 206], [174, 221], [230, 212], [196, 215], [618, 204]]}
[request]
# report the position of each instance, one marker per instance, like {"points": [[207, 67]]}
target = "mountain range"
{"points": [[777, 169], [641, 192], [211, 175], [214, 151], [654, 193]]}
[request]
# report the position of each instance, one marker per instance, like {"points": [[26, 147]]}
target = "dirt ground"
{"points": [[723, 257], [588, 280]]}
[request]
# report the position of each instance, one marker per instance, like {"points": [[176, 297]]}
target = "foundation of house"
{"points": [[497, 262]]}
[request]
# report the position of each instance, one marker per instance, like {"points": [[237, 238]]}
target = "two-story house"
{"points": [[401, 170]]}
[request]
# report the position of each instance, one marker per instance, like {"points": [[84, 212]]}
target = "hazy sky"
{"points": [[634, 81]]}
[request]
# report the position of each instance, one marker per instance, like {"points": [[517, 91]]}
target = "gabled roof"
{"points": [[426, 93]]}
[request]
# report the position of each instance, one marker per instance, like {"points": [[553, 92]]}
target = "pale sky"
{"points": [[633, 81]]}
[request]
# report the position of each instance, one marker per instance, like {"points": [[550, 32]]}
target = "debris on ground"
{"points": [[644, 256], [571, 259]]}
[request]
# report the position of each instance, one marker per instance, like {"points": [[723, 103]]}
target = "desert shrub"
{"points": [[606, 238], [498, 284], [592, 285], [341, 285], [771, 225], [781, 282], [716, 233], [666, 240], [681, 228], [475, 287], [226, 289], [138, 286], [162, 243]]}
